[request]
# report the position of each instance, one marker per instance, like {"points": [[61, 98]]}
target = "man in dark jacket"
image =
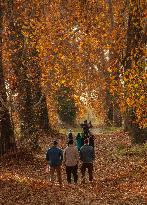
{"points": [[87, 157], [55, 157]]}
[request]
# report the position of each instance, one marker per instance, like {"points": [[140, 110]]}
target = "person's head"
{"points": [[86, 141], [70, 142], [55, 143], [78, 134]]}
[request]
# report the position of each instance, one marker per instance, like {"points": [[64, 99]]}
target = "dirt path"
{"points": [[118, 179]]}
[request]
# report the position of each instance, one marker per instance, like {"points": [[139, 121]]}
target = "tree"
{"points": [[38, 98], [7, 140], [134, 68], [114, 114], [32, 109], [17, 50]]}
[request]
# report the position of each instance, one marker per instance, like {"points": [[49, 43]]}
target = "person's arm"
{"points": [[47, 164], [47, 156], [61, 155], [77, 155], [64, 156], [81, 125], [93, 154], [90, 125], [81, 157]]}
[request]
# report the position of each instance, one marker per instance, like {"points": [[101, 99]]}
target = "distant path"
{"points": [[75, 131], [96, 131]]}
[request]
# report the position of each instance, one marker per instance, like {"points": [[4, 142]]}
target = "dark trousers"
{"points": [[88, 166], [58, 170], [72, 170]]}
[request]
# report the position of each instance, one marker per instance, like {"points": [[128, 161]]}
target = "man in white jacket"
{"points": [[71, 159]]}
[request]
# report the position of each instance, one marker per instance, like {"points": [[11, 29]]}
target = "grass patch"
{"points": [[111, 129], [135, 150]]}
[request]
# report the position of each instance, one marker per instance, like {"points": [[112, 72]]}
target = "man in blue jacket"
{"points": [[87, 157], [55, 157]]}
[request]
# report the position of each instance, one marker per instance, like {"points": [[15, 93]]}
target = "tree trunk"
{"points": [[7, 140], [134, 46], [33, 113], [114, 110], [17, 48], [38, 98]]}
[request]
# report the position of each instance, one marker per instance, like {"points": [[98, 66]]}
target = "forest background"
{"points": [[62, 59], [61, 62]]}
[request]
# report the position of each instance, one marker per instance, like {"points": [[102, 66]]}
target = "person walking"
{"points": [[71, 158], [54, 157], [85, 127], [87, 157], [79, 141], [90, 124], [69, 136]]}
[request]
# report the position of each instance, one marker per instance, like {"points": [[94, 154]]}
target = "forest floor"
{"points": [[120, 172]]}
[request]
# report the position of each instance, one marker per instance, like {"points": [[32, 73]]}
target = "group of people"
{"points": [[71, 156], [84, 135]]}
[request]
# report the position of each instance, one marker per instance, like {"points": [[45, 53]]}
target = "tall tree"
{"points": [[33, 113], [114, 114], [17, 49], [7, 140], [133, 61], [38, 98]]}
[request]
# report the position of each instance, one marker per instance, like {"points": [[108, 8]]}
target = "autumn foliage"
{"points": [[95, 52], [95, 48], [119, 176]]}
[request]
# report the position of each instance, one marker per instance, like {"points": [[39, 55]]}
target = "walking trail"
{"points": [[119, 179]]}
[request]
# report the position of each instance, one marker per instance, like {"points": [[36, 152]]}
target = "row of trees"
{"points": [[102, 44], [91, 53], [23, 106], [21, 94]]}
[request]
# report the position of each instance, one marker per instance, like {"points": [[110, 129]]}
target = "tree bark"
{"points": [[17, 48], [7, 140], [134, 44], [38, 98], [33, 113], [114, 113]]}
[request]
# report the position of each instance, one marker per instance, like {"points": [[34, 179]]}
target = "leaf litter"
{"points": [[118, 179]]}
